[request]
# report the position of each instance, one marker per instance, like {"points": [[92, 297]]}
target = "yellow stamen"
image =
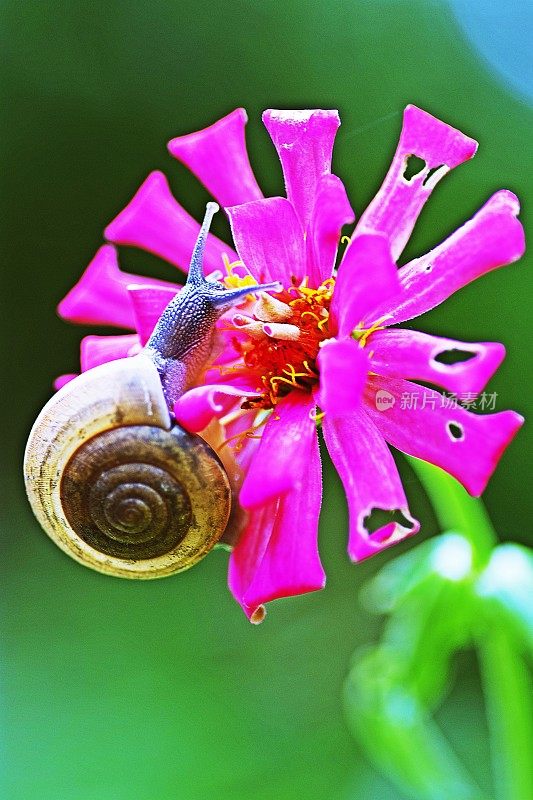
{"points": [[310, 371], [249, 433], [323, 322], [233, 281], [361, 334], [310, 314], [229, 266], [232, 416], [279, 379]]}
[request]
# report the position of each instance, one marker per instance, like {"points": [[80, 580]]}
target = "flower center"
{"points": [[279, 340]]}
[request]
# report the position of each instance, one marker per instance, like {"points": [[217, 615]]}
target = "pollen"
{"points": [[232, 280], [361, 333], [283, 334]]}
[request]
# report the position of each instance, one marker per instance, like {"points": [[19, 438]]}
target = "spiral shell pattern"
{"points": [[140, 492]]}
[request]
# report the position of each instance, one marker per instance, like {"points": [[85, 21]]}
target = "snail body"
{"points": [[110, 477]]}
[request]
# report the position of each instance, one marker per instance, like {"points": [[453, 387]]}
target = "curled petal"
{"points": [[196, 408], [154, 221], [343, 366], [249, 326], [331, 211], [148, 303], [270, 309], [492, 238], [371, 481], [101, 295], [236, 380], [367, 279], [281, 330], [395, 208], [96, 350], [304, 141], [269, 239], [280, 464], [400, 353], [62, 380], [466, 445], [280, 560], [217, 156]]}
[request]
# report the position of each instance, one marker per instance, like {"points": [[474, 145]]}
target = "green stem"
{"points": [[509, 707], [457, 510], [507, 685]]}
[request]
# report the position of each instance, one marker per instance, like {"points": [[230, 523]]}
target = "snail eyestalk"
{"points": [[196, 270]]}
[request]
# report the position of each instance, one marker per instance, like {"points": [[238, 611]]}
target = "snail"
{"points": [[110, 476]]}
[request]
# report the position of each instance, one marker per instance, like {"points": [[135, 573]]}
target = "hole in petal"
{"points": [[381, 520], [454, 356], [428, 267], [455, 431], [413, 167], [431, 172]]}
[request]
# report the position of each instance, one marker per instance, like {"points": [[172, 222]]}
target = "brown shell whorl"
{"points": [[143, 493]]}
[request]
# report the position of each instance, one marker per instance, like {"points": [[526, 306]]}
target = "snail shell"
{"points": [[115, 485]]}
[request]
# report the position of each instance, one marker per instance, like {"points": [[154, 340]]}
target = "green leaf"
{"points": [[398, 734], [505, 590]]}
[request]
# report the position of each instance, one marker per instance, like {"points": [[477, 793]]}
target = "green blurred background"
{"points": [[162, 690]]}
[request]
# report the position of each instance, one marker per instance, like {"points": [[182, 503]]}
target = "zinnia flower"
{"points": [[322, 352]]}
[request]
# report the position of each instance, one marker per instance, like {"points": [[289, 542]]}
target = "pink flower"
{"points": [[325, 340]]}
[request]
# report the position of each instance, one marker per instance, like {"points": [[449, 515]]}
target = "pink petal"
{"points": [[290, 564], [196, 408], [370, 479], [62, 380], [217, 156], [343, 366], [154, 220], [281, 461], [148, 303], [101, 297], [238, 378], [96, 350], [395, 208], [425, 432], [304, 141], [410, 354], [367, 278], [269, 239], [491, 239], [330, 212], [248, 554]]}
